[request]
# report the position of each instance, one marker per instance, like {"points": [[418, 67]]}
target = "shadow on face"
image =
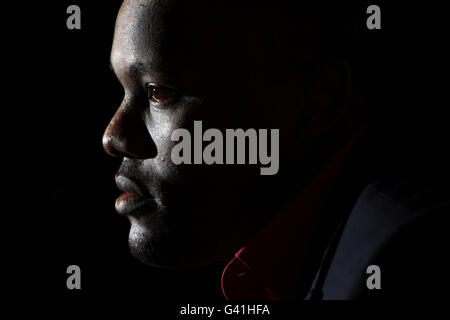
{"points": [[231, 66]]}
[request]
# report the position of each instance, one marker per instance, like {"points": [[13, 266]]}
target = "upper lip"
{"points": [[125, 184]]}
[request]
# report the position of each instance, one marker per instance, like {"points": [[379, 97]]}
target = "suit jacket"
{"points": [[397, 225], [321, 244]]}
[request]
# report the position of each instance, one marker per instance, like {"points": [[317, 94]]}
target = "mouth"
{"points": [[132, 198]]}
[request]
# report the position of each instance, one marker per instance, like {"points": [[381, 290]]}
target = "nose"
{"points": [[127, 135]]}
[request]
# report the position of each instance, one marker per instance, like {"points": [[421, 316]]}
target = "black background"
{"points": [[63, 95]]}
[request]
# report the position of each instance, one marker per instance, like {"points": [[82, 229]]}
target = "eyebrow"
{"points": [[138, 67]]}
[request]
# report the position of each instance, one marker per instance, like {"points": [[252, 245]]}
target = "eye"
{"points": [[161, 95]]}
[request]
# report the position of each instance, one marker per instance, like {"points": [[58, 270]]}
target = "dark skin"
{"points": [[179, 63]]}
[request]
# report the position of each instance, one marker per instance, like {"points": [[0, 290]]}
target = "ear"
{"points": [[327, 96]]}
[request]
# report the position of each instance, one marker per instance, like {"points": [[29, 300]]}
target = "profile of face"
{"points": [[179, 62]]}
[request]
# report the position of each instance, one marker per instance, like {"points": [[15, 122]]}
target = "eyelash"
{"points": [[169, 95]]}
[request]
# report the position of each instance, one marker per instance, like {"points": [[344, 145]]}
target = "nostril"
{"points": [[127, 136], [109, 144]]}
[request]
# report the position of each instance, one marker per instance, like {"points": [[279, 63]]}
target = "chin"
{"points": [[152, 247], [147, 245]]}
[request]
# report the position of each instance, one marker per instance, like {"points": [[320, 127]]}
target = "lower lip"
{"points": [[127, 203]]}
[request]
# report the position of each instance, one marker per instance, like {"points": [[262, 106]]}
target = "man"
{"points": [[254, 65]]}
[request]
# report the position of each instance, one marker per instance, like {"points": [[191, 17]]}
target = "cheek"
{"points": [[160, 125]]}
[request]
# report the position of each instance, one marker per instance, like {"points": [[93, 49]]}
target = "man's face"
{"points": [[179, 63]]}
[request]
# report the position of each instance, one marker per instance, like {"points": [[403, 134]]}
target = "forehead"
{"points": [[163, 39], [196, 43], [132, 42]]}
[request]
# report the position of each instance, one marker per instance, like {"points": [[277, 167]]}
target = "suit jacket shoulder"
{"points": [[396, 225]]}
